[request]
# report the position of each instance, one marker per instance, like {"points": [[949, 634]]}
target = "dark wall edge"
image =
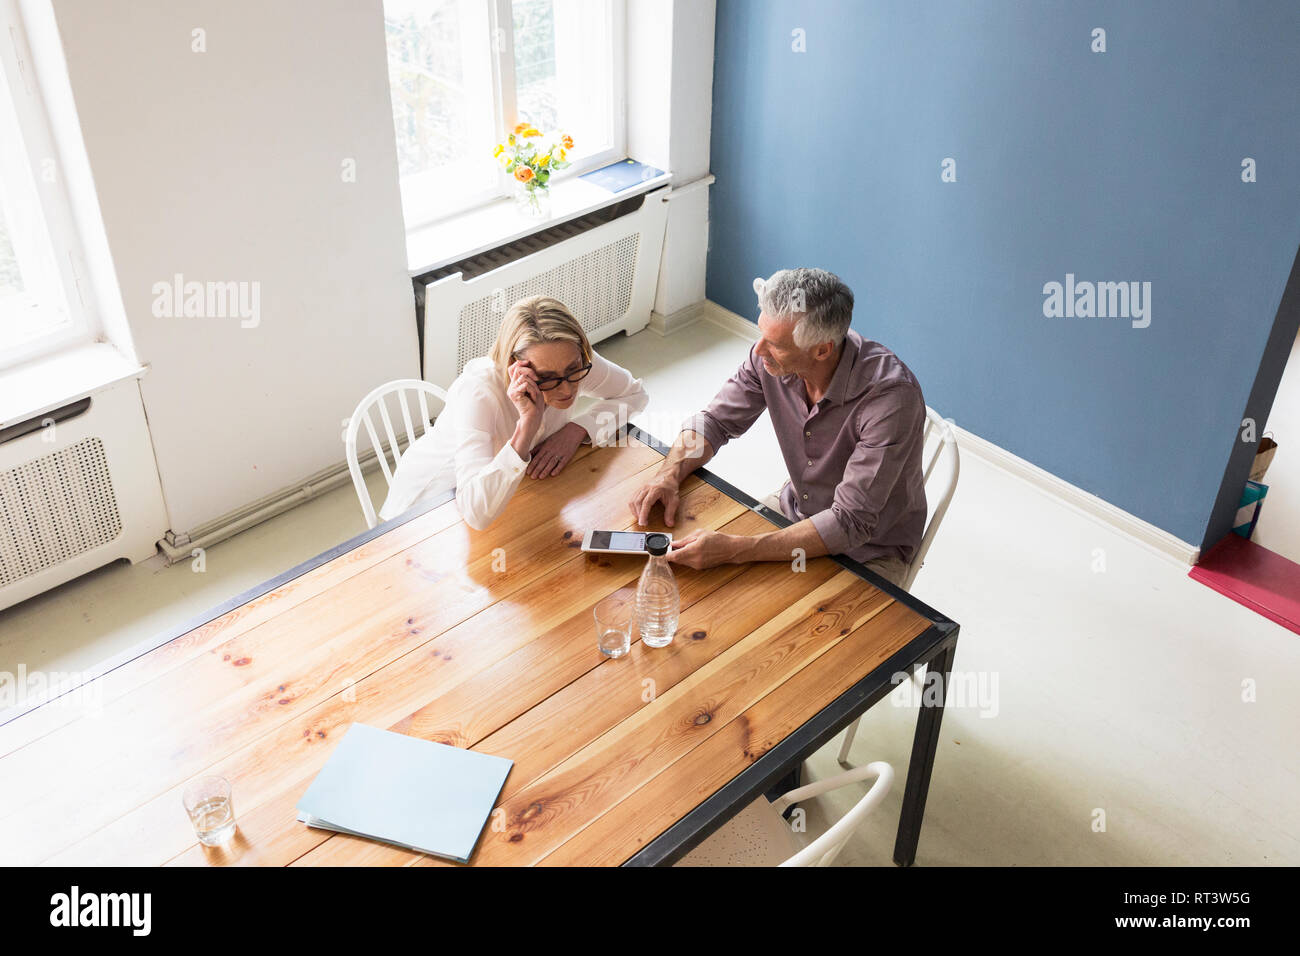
{"points": [[1286, 324]]}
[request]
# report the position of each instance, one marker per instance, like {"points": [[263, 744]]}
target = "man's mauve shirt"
{"points": [[854, 458]]}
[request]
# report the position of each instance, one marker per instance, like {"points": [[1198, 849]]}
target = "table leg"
{"points": [[924, 746], [791, 781]]}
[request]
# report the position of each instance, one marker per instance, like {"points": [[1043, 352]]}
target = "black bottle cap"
{"points": [[657, 543]]}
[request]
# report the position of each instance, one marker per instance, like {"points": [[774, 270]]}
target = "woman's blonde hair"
{"points": [[535, 321]]}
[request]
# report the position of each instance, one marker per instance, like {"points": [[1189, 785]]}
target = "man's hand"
{"points": [[550, 457], [662, 489], [707, 549]]}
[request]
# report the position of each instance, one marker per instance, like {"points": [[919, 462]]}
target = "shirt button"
{"points": [[807, 434], [810, 463], [805, 497]]}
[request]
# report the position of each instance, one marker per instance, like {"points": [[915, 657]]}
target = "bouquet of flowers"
{"points": [[531, 157]]}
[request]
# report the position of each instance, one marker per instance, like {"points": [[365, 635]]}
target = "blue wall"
{"points": [[1123, 165]]}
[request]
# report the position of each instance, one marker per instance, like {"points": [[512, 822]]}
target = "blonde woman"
{"points": [[508, 414]]}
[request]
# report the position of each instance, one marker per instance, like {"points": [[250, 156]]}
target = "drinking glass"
{"points": [[614, 625], [207, 801]]}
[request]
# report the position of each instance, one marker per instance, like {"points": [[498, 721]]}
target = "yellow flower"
{"points": [[563, 154], [520, 127], [545, 160], [499, 150], [531, 132]]}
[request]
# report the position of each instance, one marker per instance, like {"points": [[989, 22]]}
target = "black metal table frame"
{"points": [[934, 647]]}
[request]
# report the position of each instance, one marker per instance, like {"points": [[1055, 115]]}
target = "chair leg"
{"points": [[848, 741]]}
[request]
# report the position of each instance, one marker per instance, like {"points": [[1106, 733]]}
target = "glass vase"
{"points": [[532, 200]]}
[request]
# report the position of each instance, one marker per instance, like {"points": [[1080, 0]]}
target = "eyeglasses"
{"points": [[546, 384]]}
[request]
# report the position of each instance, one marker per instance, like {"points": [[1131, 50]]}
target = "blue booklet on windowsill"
{"points": [[398, 789], [621, 175]]}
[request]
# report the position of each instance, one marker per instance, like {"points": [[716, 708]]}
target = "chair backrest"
{"points": [[823, 850], [940, 483], [389, 396]]}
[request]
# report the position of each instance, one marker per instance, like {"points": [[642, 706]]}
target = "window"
{"points": [[39, 303], [463, 73]]}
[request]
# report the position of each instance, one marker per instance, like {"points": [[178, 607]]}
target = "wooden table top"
{"points": [[482, 640]]}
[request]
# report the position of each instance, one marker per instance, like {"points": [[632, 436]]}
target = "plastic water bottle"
{"points": [[657, 600]]}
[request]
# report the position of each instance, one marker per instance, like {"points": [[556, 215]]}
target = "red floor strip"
{"points": [[1254, 577]]}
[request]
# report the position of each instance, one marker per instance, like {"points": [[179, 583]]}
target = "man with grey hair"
{"points": [[849, 417]]}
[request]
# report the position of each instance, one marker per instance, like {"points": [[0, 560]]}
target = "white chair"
{"points": [[759, 836], [939, 488], [395, 394]]}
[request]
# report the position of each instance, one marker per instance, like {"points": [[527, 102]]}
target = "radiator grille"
{"points": [[55, 508], [597, 288]]}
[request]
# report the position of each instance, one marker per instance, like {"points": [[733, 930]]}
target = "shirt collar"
{"points": [[839, 386]]}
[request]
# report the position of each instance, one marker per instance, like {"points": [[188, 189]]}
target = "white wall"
{"points": [[227, 165], [1279, 517], [670, 110]]}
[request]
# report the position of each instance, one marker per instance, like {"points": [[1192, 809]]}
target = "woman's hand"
{"points": [[528, 400], [550, 457]]}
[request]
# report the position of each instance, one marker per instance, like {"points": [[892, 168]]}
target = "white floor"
{"points": [[1146, 720]]}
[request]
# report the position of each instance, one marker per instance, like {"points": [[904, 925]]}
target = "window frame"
{"points": [[420, 214], [21, 88]]}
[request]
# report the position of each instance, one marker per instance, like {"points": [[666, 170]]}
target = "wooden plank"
{"points": [[275, 836], [268, 763], [376, 616], [582, 704], [549, 811], [649, 810], [152, 665]]}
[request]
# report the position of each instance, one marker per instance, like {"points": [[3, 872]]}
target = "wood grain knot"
{"points": [[698, 635], [568, 535], [703, 719], [240, 662]]}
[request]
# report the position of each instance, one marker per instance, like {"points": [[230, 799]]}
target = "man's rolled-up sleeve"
{"points": [[885, 443], [736, 406]]}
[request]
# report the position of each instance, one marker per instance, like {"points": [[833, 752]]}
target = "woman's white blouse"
{"points": [[468, 448]]}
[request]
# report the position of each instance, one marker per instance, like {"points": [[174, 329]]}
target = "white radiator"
{"points": [[77, 493], [605, 273]]}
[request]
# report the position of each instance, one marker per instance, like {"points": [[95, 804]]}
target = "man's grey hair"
{"points": [[817, 301]]}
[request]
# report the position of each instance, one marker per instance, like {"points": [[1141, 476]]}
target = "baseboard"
{"points": [[1143, 533], [676, 321], [728, 320], [180, 547]]}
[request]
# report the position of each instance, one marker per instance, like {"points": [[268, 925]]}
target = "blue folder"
{"points": [[621, 175], [398, 789]]}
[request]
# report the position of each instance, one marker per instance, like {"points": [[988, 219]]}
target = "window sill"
{"points": [[46, 383], [487, 227]]}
